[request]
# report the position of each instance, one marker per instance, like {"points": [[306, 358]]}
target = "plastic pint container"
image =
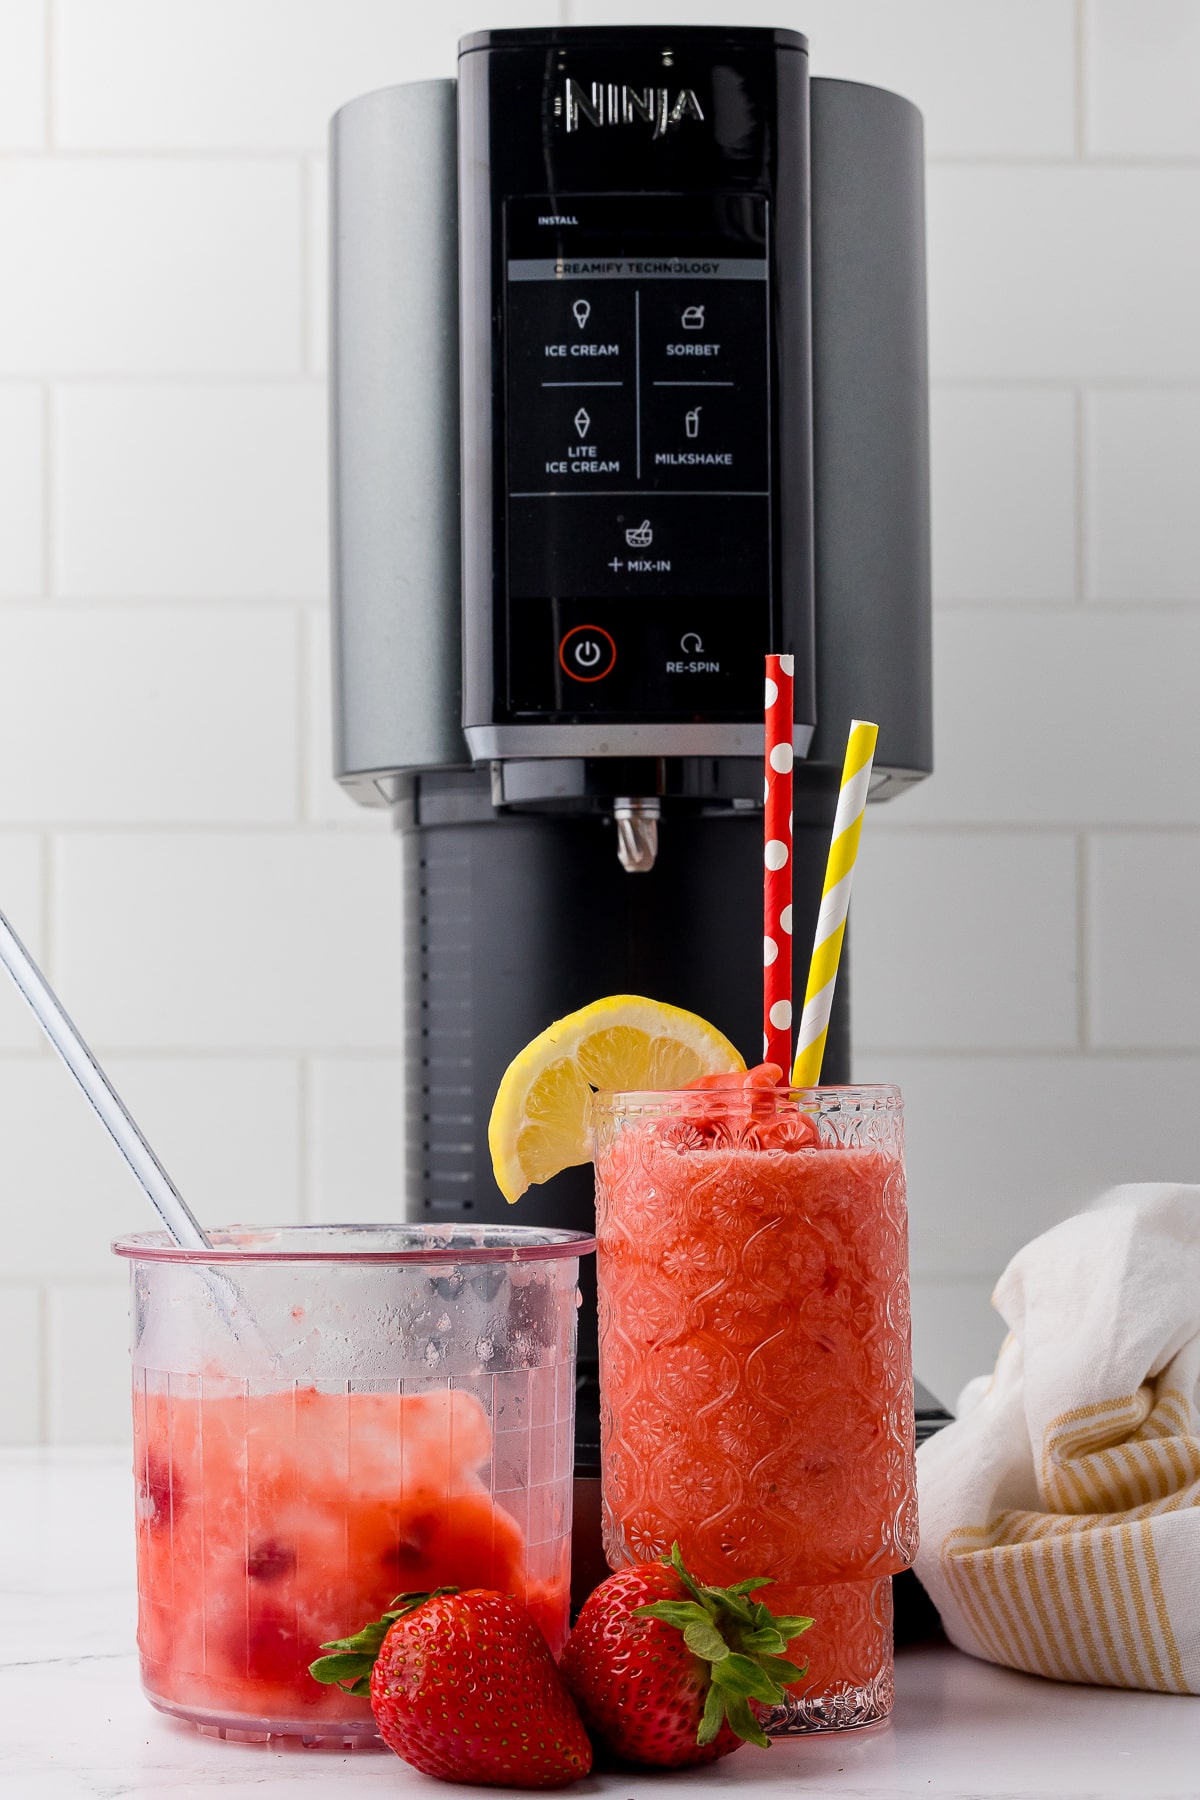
{"points": [[325, 1417]]}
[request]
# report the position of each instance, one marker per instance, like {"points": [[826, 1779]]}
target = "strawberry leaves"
{"points": [[742, 1640], [354, 1657]]}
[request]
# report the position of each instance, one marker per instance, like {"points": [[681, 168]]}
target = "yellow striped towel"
{"points": [[1060, 1513]]}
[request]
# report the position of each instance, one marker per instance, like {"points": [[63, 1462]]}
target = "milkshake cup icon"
{"points": [[691, 422]]}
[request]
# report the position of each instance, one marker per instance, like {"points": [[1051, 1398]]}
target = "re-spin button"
{"points": [[587, 653]]}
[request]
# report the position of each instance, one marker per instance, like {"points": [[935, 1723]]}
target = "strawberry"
{"points": [[664, 1669], [463, 1686]]}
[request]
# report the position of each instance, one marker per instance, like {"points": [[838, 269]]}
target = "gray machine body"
{"points": [[397, 637], [397, 618]]}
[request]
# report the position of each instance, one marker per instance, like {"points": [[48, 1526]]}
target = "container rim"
{"points": [[879, 1094], [447, 1244]]}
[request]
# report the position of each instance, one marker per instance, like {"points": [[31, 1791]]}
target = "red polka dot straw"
{"points": [[777, 865]]}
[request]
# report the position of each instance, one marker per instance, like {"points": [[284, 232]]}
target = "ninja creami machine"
{"points": [[629, 388]]}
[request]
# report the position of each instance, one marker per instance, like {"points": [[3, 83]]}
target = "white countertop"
{"points": [[74, 1725]]}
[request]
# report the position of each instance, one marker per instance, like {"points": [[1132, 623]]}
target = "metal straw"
{"points": [[172, 1209]]}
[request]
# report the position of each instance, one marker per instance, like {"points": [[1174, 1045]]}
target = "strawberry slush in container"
{"points": [[325, 1417], [755, 1362]]}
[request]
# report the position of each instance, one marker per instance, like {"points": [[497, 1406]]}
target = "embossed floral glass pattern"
{"points": [[755, 1359]]}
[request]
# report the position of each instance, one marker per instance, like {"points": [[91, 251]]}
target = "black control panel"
{"points": [[636, 366], [639, 453]]}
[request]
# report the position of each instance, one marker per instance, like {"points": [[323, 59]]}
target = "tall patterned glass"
{"points": [[756, 1370]]}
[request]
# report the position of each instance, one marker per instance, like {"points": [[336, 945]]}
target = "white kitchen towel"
{"points": [[1060, 1512]]}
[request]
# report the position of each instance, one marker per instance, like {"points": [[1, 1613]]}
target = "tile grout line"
{"points": [[393, 1059], [179, 153], [373, 823], [217, 377], [1022, 163], [1037, 384], [998, 606]]}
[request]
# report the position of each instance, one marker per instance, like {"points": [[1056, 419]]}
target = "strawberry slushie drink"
{"points": [[325, 1418], [756, 1370]]}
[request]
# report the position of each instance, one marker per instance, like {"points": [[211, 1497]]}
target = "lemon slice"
{"points": [[539, 1120]]}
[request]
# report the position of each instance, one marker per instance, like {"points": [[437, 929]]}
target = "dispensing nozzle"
{"points": [[637, 833]]}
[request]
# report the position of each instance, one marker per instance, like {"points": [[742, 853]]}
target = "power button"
{"points": [[587, 653]]}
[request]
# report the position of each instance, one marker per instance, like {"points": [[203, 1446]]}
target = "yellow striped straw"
{"points": [[835, 900]]}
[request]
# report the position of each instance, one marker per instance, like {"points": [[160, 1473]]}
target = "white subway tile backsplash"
{"points": [[942, 953], [1000, 1148], [22, 500], [47, 1562], [1143, 77], [490, 15], [1144, 948], [88, 1376], [286, 940], [169, 849], [1064, 273], [1003, 478], [1143, 483], [226, 1128], [130, 716], [233, 74], [21, 1359], [356, 1139], [182, 493], [22, 903], [953, 61], [22, 74], [317, 228], [1068, 717], [956, 1335], [121, 266]]}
